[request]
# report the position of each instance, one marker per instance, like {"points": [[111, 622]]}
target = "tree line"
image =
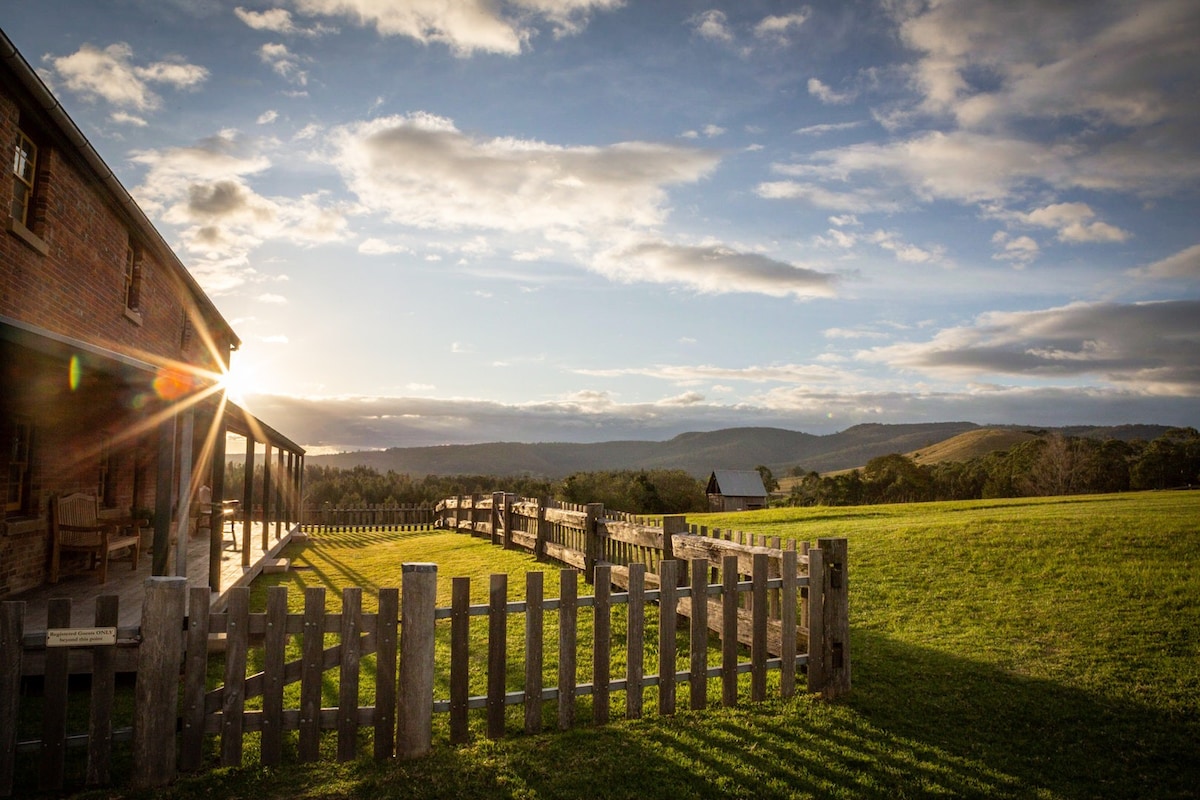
{"points": [[1051, 464]]}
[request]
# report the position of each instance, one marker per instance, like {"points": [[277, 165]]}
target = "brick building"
{"points": [[110, 352]]}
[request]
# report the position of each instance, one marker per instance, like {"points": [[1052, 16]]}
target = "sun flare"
{"points": [[237, 383]]}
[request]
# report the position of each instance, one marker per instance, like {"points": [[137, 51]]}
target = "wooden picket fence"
{"points": [[401, 635], [369, 517]]}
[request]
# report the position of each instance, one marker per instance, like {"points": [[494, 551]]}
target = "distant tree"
{"points": [[769, 482]]}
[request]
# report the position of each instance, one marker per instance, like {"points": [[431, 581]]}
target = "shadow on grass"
{"points": [[918, 724]]}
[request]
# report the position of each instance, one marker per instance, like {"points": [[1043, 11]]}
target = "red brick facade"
{"points": [[81, 373]]}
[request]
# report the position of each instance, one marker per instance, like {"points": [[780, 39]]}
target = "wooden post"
{"points": [[274, 647], [312, 653], [460, 658], [508, 520], [672, 525], [497, 651], [348, 679], [635, 641], [156, 694], [837, 618], [216, 527], [12, 650], [591, 540], [247, 499], [539, 545], [191, 749], [816, 620], [567, 608], [54, 712], [533, 651], [496, 518], [667, 609], [729, 630], [601, 648], [237, 648], [267, 492], [758, 646], [103, 694], [787, 621], [418, 602], [698, 640], [387, 620], [163, 484]]}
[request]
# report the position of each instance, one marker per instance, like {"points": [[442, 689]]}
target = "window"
{"points": [[16, 493], [24, 171], [133, 276]]}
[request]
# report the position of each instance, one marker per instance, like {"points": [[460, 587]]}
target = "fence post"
{"points": [[815, 619], [836, 613], [496, 518], [539, 544], [418, 588], [672, 525], [508, 520], [156, 695], [591, 540], [12, 631]]}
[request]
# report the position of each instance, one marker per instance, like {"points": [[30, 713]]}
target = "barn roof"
{"points": [[736, 483]]}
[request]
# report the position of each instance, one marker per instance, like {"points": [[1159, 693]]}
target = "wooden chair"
{"points": [[76, 527]]}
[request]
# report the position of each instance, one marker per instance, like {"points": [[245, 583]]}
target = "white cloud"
{"points": [[125, 118], [826, 94], [278, 20], [1184, 264], [802, 374], [712, 25], [420, 170], [267, 117], [277, 338], [778, 27], [1074, 224], [1020, 250], [272, 299], [711, 269], [827, 127], [111, 75], [466, 27], [380, 247], [905, 251], [852, 200], [712, 131], [284, 62], [206, 189]]}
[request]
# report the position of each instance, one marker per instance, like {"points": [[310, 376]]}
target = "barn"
{"points": [[735, 490]]}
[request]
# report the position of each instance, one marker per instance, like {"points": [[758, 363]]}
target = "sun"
{"points": [[237, 382]]}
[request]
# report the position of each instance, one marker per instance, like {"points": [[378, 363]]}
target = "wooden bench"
{"points": [[77, 528]]}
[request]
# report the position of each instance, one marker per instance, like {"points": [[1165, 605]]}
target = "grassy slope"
{"points": [[1044, 648]]}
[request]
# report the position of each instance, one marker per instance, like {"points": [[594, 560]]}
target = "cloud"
{"points": [[993, 61], [272, 299], [278, 20], [1184, 264], [777, 28], [205, 188], [421, 171], [711, 269], [465, 27], [125, 118], [283, 62], [111, 75], [826, 94], [1149, 348], [827, 127], [704, 373], [858, 200], [267, 117], [712, 25], [1020, 250], [1073, 223]]}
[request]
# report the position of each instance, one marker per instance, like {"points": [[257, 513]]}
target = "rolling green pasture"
{"points": [[1019, 648]]}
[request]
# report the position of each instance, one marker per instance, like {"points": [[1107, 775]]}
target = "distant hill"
{"points": [[971, 444], [731, 448]]}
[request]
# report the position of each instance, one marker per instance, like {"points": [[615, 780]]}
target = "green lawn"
{"points": [[1017, 648]]}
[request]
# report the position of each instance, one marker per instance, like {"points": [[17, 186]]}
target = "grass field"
{"points": [[1021, 648]]}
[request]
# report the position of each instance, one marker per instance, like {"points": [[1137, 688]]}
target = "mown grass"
{"points": [[1023, 648]]}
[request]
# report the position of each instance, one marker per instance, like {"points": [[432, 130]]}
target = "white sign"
{"points": [[80, 637]]}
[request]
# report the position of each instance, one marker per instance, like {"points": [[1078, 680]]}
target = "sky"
{"points": [[436, 222]]}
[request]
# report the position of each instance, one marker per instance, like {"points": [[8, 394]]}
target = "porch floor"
{"points": [[129, 585]]}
